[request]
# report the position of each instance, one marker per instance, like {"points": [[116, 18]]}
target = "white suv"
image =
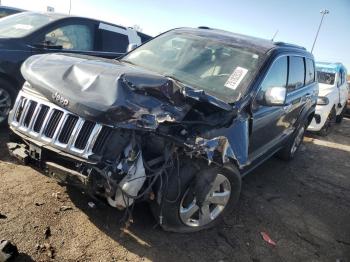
{"points": [[332, 98]]}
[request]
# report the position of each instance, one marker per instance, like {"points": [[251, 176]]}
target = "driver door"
{"points": [[269, 122]]}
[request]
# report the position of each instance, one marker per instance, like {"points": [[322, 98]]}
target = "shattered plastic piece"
{"points": [[267, 238], [7, 251], [91, 204]]}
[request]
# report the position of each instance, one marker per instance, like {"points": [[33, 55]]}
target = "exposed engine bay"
{"points": [[122, 142]]}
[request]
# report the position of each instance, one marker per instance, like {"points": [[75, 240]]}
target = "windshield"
{"points": [[203, 63], [22, 24], [325, 78]]}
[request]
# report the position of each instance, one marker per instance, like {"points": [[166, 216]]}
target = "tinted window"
{"points": [[277, 74], [113, 42], [310, 72], [71, 37], [296, 73]]}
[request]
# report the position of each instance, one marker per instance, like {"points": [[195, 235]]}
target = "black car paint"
{"points": [[14, 51]]}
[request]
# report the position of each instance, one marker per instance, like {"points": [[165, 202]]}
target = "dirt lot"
{"points": [[304, 206]]}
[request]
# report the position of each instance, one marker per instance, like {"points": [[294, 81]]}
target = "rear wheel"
{"points": [[201, 204], [7, 97], [293, 145]]}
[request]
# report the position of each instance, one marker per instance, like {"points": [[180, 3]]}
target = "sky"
{"points": [[296, 20]]}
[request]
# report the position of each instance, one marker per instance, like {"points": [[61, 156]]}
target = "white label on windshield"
{"points": [[236, 77]]}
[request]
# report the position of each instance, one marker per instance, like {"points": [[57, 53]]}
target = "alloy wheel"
{"points": [[297, 140], [214, 204]]}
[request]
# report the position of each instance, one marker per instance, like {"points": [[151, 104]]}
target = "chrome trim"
{"points": [[40, 136]]}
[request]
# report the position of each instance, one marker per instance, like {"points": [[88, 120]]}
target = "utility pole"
{"points": [[70, 6], [323, 12]]}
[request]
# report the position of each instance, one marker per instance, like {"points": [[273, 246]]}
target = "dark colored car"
{"points": [[176, 122], [6, 11], [28, 33]]}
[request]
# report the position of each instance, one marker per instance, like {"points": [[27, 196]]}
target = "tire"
{"points": [[7, 98], [339, 118], [288, 152], [327, 127], [169, 213]]}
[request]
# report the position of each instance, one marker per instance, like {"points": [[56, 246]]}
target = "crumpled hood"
{"points": [[110, 91], [325, 89]]}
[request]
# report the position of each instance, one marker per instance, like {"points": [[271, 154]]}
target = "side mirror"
{"points": [[275, 96], [131, 47]]}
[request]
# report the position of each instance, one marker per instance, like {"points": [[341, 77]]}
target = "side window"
{"points": [[277, 74], [71, 37], [310, 71], [113, 42], [296, 74]]}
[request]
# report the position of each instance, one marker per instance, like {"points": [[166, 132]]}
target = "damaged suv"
{"points": [[176, 122]]}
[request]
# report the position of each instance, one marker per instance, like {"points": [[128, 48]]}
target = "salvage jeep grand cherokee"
{"points": [[176, 122]]}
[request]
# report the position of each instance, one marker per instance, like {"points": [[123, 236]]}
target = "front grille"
{"points": [[30, 113], [52, 124], [101, 140], [40, 119], [47, 123], [84, 134], [67, 129]]}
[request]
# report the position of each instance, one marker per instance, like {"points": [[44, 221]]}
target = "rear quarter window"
{"points": [[296, 74], [310, 71]]}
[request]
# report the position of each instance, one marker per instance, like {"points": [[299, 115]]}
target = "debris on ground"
{"points": [[91, 204], [46, 248], [65, 208], [47, 232], [2, 216], [56, 195], [39, 203], [267, 238], [7, 251]]}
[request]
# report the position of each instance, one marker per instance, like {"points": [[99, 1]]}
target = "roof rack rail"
{"points": [[203, 27], [289, 45]]}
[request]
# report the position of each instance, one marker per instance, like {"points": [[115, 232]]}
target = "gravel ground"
{"points": [[304, 206]]}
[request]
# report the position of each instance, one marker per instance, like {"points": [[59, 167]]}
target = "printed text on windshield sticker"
{"points": [[236, 77]]}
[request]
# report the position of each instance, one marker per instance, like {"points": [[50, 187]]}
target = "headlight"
{"points": [[322, 100]]}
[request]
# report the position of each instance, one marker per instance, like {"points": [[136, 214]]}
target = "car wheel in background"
{"points": [[327, 127], [7, 98], [339, 118]]}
